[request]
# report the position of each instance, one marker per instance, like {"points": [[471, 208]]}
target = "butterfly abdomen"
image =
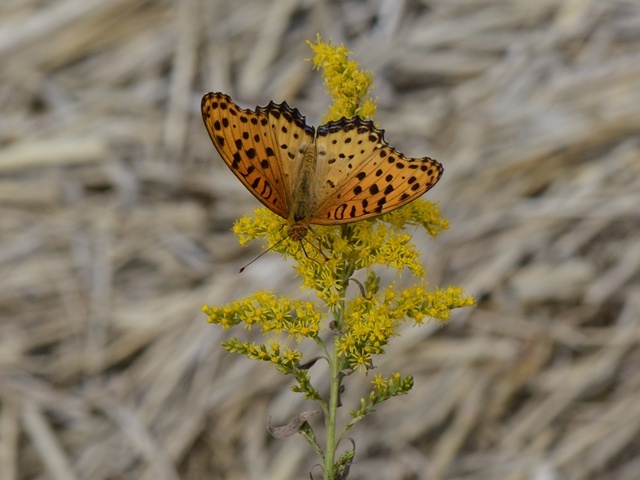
{"points": [[303, 190]]}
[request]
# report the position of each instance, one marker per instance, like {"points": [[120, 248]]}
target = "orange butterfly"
{"points": [[343, 172]]}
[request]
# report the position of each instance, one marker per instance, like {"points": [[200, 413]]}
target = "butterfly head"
{"points": [[297, 232]]}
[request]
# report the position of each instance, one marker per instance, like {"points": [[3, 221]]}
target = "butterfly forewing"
{"points": [[363, 176], [394, 182], [247, 142], [292, 137]]}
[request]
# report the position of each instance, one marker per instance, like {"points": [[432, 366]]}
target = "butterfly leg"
{"points": [[317, 247], [314, 246]]}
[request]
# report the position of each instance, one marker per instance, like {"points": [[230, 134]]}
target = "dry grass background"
{"points": [[115, 216]]}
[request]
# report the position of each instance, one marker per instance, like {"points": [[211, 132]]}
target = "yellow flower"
{"points": [[345, 83]]}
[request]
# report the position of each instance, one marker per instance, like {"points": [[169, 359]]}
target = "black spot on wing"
{"points": [[339, 212]]}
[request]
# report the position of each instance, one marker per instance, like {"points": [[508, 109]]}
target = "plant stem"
{"points": [[330, 450], [336, 364]]}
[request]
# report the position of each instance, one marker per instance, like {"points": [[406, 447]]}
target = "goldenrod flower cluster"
{"points": [[271, 313], [347, 85], [326, 261]]}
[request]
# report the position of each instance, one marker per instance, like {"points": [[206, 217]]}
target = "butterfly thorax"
{"points": [[300, 211]]}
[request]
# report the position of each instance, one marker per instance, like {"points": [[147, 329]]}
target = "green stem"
{"points": [[336, 379], [330, 449]]}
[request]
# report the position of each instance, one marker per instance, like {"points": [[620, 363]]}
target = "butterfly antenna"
{"points": [[326, 259], [266, 251]]}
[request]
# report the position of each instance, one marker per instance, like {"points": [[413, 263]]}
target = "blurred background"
{"points": [[115, 217]]}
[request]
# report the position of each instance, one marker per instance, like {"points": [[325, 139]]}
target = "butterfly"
{"points": [[342, 172]]}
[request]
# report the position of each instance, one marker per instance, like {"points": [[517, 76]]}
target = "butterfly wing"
{"points": [[361, 176], [258, 145]]}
